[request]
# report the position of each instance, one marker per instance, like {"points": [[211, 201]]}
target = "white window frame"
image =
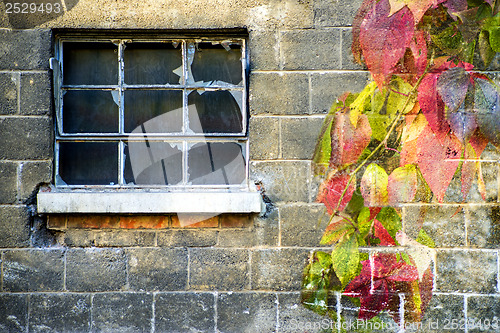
{"points": [[126, 198]]}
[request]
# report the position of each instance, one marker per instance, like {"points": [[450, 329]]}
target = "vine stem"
{"points": [[383, 143]]}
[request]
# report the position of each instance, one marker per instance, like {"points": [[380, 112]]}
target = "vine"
{"points": [[425, 119]]}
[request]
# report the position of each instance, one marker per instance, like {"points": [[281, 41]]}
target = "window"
{"points": [[150, 114]]}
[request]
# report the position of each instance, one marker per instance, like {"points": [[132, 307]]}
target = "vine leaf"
{"points": [[330, 192], [358, 106], [469, 169], [417, 7], [438, 161], [348, 141], [402, 184], [455, 6], [418, 48], [336, 230], [345, 258], [356, 49], [381, 233], [432, 105], [387, 271], [487, 102], [323, 150], [383, 39], [318, 279], [374, 186]]}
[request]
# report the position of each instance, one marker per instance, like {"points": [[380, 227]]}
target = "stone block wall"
{"points": [[232, 273]]}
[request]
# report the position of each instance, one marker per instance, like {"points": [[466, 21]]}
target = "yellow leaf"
{"points": [[358, 106]]}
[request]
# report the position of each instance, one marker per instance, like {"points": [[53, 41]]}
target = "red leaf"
{"points": [[366, 6], [417, 7], [382, 234], [348, 142], [375, 301], [438, 161], [432, 105], [418, 47], [384, 39], [331, 190]]}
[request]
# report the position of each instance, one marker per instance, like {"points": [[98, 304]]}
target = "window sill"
{"points": [[148, 202]]}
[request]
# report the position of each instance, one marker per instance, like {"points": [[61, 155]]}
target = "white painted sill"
{"points": [[149, 203]]}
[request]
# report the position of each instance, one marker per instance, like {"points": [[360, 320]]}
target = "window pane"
{"points": [[215, 112], [215, 63], [153, 111], [90, 111], [90, 63], [88, 163], [153, 163], [152, 63], [216, 164]]}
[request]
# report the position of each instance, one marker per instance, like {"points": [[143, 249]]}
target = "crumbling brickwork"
{"points": [[233, 273]]}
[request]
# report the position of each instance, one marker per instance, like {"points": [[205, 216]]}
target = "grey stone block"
{"points": [[8, 179], [77, 238], [95, 269], [122, 312], [246, 312], [294, 14], [466, 271], [295, 318], [311, 49], [219, 269], [300, 224], [327, 87], [278, 269], [264, 50], [9, 83], [33, 270], [187, 238], [444, 224], [26, 138], [124, 238], [36, 94], [14, 226], [62, 312], [334, 13], [264, 134], [13, 313], [441, 311], [347, 57], [273, 93], [483, 313], [283, 180], [153, 269], [299, 137], [32, 175], [25, 49], [264, 233], [483, 227], [184, 312]]}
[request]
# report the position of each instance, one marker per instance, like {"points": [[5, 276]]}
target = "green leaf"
{"points": [[358, 106], [323, 150], [345, 257], [390, 219], [485, 51], [424, 239], [398, 95], [374, 186], [336, 230]]}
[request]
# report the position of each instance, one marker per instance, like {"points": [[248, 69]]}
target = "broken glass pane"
{"points": [[88, 163], [153, 111], [151, 63], [153, 163], [214, 112], [215, 63], [90, 111], [216, 163], [90, 64]]}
